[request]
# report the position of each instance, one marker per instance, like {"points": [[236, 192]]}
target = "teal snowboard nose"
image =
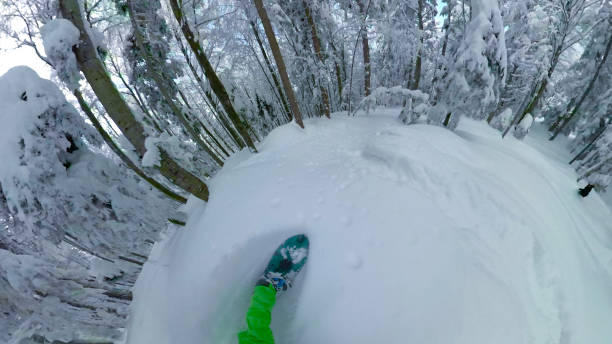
{"points": [[290, 256]]}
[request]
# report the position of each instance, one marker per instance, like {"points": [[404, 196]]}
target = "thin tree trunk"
{"points": [[283, 99], [280, 62], [417, 64], [211, 75], [361, 29], [586, 91], [338, 72], [124, 158], [441, 67], [532, 105], [135, 96], [208, 133], [538, 90], [265, 72], [316, 43], [232, 133], [118, 109], [164, 84], [597, 135], [367, 69]]}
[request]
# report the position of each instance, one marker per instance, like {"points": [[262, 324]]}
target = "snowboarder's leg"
{"points": [[286, 262], [259, 317]]}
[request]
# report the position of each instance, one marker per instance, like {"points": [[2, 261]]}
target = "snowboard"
{"points": [[287, 261]]}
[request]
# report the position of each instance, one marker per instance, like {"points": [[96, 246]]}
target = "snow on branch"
{"points": [[59, 36], [390, 96]]}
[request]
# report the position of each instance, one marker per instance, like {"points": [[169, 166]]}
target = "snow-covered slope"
{"points": [[418, 235]]}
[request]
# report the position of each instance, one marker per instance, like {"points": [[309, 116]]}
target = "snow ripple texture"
{"points": [[418, 235]]}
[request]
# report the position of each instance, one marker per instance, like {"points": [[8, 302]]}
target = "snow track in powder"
{"points": [[418, 235]]}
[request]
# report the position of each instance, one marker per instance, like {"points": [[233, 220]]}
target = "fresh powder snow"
{"points": [[418, 235]]}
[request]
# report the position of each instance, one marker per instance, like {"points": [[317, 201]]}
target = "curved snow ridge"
{"points": [[418, 235]]}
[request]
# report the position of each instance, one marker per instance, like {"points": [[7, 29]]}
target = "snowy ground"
{"points": [[418, 235]]}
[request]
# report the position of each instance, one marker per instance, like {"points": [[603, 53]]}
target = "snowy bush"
{"points": [[522, 129], [503, 120], [413, 102]]}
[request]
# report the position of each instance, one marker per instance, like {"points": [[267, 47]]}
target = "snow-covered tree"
{"points": [[77, 224], [478, 68], [596, 165]]}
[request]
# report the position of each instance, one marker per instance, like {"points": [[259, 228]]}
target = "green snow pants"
{"points": [[258, 317]]}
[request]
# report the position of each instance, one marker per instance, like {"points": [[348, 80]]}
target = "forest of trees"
{"points": [[150, 97]]}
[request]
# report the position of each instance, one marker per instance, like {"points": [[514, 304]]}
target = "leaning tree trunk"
{"points": [[165, 85], [115, 148], [117, 108], [316, 43], [211, 75], [596, 136], [208, 98], [280, 62], [585, 93], [541, 87], [269, 66]]}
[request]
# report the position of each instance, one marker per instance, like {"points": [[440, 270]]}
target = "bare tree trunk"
{"points": [[598, 133], [417, 64], [118, 109], [530, 102], [280, 62], [272, 72], [213, 79], [533, 103], [232, 133], [367, 69], [435, 88], [569, 117], [338, 72], [165, 85], [218, 145], [316, 43]]}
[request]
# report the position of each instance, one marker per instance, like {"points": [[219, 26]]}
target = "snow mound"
{"points": [[418, 235]]}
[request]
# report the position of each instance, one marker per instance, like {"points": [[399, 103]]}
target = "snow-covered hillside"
{"points": [[418, 235]]}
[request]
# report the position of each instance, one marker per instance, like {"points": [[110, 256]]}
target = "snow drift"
{"points": [[418, 235]]}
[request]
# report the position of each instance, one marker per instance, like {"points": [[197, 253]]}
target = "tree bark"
{"points": [[280, 62], [272, 72], [586, 92], [117, 108], [533, 103], [338, 72], [211, 75], [417, 64], [367, 69], [316, 43], [124, 158], [435, 87]]}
